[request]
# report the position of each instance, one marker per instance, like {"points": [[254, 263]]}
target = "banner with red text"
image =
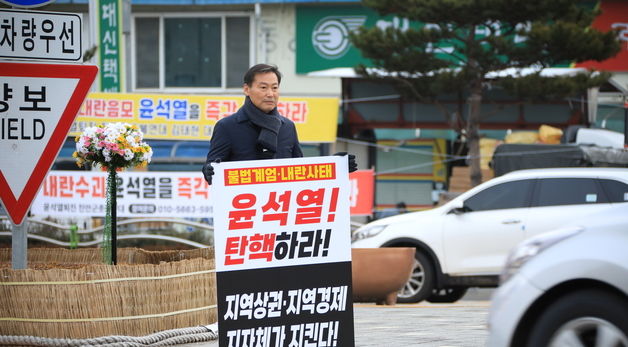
{"points": [[192, 117], [614, 16], [140, 194], [362, 192]]}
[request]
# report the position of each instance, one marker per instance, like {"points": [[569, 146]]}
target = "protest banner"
{"points": [[362, 191], [283, 252], [140, 194], [193, 117]]}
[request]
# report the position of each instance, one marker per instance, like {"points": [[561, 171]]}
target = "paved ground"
{"points": [[461, 324]]}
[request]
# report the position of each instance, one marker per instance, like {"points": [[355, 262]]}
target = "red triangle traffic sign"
{"points": [[38, 104]]}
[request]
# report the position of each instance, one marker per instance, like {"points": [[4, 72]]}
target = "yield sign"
{"points": [[38, 103]]}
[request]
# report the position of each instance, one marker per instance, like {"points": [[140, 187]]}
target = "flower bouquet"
{"points": [[113, 147]]}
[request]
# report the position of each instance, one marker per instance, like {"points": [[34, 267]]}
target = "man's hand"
{"points": [[353, 165], [208, 171]]}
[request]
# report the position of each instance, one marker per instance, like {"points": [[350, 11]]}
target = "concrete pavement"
{"points": [[461, 324]]}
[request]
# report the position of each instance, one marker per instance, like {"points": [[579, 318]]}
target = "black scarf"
{"points": [[269, 124]]}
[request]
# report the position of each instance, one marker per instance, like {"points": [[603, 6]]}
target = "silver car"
{"points": [[568, 287]]}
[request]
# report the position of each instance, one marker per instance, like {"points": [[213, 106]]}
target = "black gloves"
{"points": [[353, 165], [208, 171]]}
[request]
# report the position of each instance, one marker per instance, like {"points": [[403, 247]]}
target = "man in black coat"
{"points": [[256, 130]]}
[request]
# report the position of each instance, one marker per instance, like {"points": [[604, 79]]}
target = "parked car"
{"points": [[464, 243], [568, 287]]}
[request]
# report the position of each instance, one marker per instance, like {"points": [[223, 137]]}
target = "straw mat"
{"points": [[68, 294]]}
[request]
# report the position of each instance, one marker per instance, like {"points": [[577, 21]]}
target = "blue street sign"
{"points": [[26, 3]]}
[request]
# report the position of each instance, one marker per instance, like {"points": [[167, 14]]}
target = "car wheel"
{"points": [[447, 294], [421, 281], [584, 318]]}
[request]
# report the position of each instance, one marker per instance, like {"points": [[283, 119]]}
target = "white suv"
{"points": [[568, 287], [464, 243]]}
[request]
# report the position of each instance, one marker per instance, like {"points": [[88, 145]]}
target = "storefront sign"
{"points": [[283, 252], [192, 117], [614, 17], [111, 45], [323, 35]]}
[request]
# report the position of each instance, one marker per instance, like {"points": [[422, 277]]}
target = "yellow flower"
{"points": [[75, 154]]}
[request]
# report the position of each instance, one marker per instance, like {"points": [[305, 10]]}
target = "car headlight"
{"points": [[367, 231], [530, 248]]}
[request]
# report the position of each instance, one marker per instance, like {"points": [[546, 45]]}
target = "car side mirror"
{"points": [[457, 207]]}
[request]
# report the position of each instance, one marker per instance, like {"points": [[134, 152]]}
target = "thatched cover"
{"points": [[67, 294]]}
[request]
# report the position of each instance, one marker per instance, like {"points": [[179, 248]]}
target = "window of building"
{"points": [[187, 52]]}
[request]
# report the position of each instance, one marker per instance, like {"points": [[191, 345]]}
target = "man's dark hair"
{"points": [[249, 76]]}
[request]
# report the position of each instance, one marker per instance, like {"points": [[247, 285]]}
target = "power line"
{"points": [[450, 158]]}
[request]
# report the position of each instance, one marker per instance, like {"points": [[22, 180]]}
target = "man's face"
{"points": [[263, 91]]}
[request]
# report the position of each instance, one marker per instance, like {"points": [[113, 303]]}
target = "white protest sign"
{"points": [[283, 252]]}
